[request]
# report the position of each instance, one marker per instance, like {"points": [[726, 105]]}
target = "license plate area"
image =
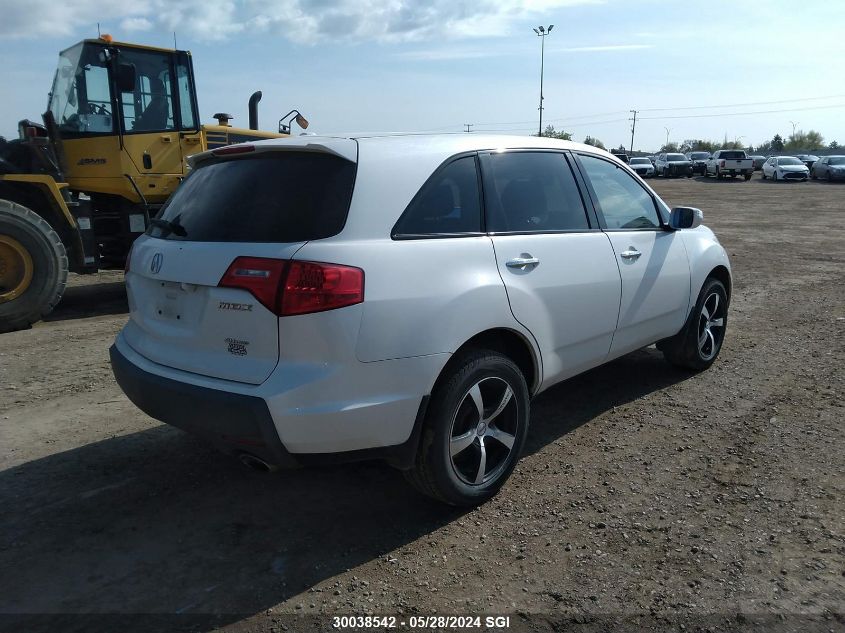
{"points": [[171, 300]]}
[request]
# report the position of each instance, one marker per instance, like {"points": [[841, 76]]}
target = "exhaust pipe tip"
{"points": [[256, 463], [253, 109]]}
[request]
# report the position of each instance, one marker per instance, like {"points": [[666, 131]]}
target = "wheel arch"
{"points": [[510, 343], [36, 197], [722, 274]]}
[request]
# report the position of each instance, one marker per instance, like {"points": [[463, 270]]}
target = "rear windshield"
{"points": [[269, 197], [732, 155], [699, 155], [640, 161]]}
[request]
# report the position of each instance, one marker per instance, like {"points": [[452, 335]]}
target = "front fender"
{"points": [[705, 254]]}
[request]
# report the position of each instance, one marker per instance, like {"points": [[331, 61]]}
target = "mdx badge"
{"points": [[155, 264], [228, 305]]}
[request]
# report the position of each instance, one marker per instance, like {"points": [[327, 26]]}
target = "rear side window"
{"points": [[447, 204], [269, 197], [532, 191]]}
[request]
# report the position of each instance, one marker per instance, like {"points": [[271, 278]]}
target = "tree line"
{"points": [[797, 141]]}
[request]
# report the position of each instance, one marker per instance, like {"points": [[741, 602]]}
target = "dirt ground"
{"points": [[646, 496]]}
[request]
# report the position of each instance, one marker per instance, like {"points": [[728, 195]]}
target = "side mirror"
{"points": [[685, 218], [126, 77]]}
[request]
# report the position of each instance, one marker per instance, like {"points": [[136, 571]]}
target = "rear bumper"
{"points": [[300, 415], [234, 423]]}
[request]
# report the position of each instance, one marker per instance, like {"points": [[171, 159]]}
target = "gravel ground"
{"points": [[646, 496]]}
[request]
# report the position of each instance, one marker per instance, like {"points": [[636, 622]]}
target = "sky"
{"points": [[714, 69]]}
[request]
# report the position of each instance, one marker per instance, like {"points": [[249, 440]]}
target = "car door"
{"points": [[652, 260], [558, 267], [769, 167], [820, 167]]}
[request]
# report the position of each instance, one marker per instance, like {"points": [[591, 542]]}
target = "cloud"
{"points": [[136, 24], [602, 49], [301, 21]]}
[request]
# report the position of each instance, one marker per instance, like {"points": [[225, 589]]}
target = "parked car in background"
{"points": [[652, 158], [405, 298], [673, 165], [758, 161], [642, 166], [807, 159], [785, 168], [829, 168], [699, 161], [621, 155], [730, 162]]}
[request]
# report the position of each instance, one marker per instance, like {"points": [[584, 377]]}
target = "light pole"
{"points": [[667, 134], [542, 32]]}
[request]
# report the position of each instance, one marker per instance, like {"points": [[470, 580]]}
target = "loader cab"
{"points": [[125, 117], [103, 88]]}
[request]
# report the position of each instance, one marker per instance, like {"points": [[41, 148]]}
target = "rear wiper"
{"points": [[172, 226]]}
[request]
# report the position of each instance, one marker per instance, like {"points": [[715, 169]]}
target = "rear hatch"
{"points": [[264, 203]]}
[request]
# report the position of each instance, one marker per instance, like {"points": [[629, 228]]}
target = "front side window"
{"points": [[621, 200], [447, 204], [532, 191], [149, 106]]}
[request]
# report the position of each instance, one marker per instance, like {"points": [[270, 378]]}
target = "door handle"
{"points": [[522, 262], [631, 253]]}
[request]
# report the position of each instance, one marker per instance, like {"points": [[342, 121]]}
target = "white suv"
{"points": [[312, 299]]}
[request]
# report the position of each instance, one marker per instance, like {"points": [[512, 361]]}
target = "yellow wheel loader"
{"points": [[76, 191]]}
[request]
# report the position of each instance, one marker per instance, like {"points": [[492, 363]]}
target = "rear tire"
{"points": [[466, 455], [33, 267], [699, 342]]}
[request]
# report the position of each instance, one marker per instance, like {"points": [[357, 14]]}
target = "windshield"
{"points": [[640, 161], [271, 197], [699, 155], [80, 100], [789, 161], [674, 158], [837, 160]]}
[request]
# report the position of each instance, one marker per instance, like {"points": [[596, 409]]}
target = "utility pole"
{"points": [[667, 134], [633, 128], [468, 127], [794, 125], [542, 32]]}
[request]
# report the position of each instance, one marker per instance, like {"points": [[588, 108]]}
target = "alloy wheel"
{"points": [[711, 326], [484, 429]]}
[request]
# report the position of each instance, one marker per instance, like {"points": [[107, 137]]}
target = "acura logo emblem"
{"points": [[155, 265]]}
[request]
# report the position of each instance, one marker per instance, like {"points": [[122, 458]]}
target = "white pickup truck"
{"points": [[730, 162]]}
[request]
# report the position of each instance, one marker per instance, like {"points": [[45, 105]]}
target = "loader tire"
{"points": [[33, 267]]}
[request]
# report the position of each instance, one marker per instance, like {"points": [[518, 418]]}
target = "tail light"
{"points": [[292, 287]]}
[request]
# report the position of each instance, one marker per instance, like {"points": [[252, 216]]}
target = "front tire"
{"points": [[33, 267], [698, 343], [474, 430]]}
